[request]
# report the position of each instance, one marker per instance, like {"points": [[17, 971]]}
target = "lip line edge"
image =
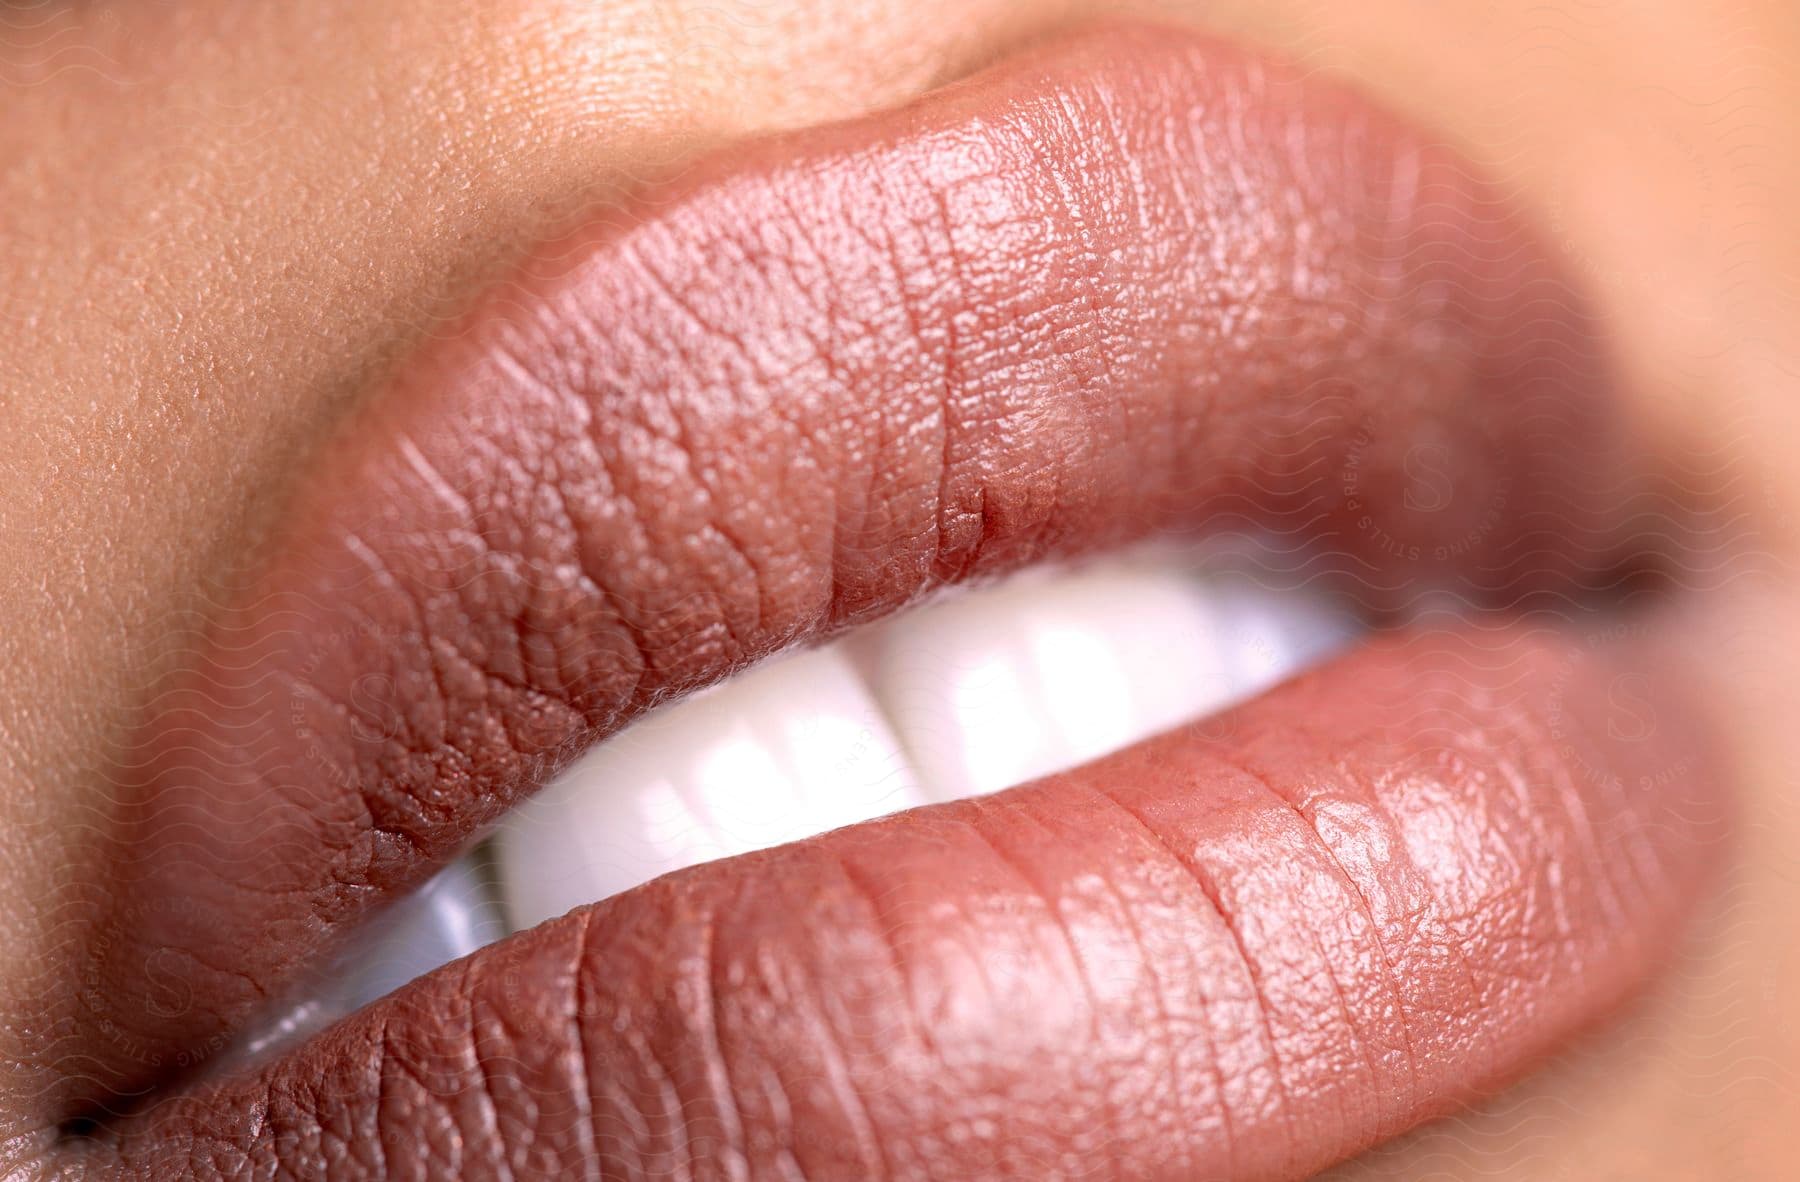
{"points": [[984, 524]]}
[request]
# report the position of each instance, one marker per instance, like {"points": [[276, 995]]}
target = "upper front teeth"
{"points": [[962, 697], [1010, 684], [788, 749], [968, 695]]}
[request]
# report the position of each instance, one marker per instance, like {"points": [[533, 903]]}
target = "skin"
{"points": [[224, 224]]}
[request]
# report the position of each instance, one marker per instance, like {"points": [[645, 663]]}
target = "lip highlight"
{"points": [[1130, 281], [1244, 949]]}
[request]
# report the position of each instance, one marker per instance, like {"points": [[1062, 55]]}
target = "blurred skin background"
{"points": [[222, 223]]}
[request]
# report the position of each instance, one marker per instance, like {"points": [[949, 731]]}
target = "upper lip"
{"points": [[1131, 279]]}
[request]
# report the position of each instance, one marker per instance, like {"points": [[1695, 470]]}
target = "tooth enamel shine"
{"points": [[786, 750], [1019, 681], [980, 691], [976, 693], [449, 917]]}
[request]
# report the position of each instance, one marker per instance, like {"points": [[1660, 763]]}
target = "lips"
{"points": [[1127, 283]]}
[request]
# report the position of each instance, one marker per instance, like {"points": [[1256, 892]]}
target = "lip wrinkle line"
{"points": [[1163, 283], [1248, 920]]}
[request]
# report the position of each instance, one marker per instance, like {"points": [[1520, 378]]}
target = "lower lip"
{"points": [[1244, 949], [1172, 286]]}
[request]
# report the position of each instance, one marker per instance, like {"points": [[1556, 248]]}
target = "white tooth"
{"points": [[450, 916], [786, 750], [1004, 685], [1269, 634], [966, 696]]}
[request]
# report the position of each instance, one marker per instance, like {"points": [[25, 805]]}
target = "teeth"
{"points": [[966, 696], [963, 697], [449, 917], [1269, 635], [1010, 684], [958, 698], [784, 751]]}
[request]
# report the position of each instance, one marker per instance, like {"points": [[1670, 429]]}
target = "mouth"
{"points": [[912, 878]]}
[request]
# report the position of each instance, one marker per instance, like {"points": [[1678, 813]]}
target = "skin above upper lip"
{"points": [[1126, 281]]}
